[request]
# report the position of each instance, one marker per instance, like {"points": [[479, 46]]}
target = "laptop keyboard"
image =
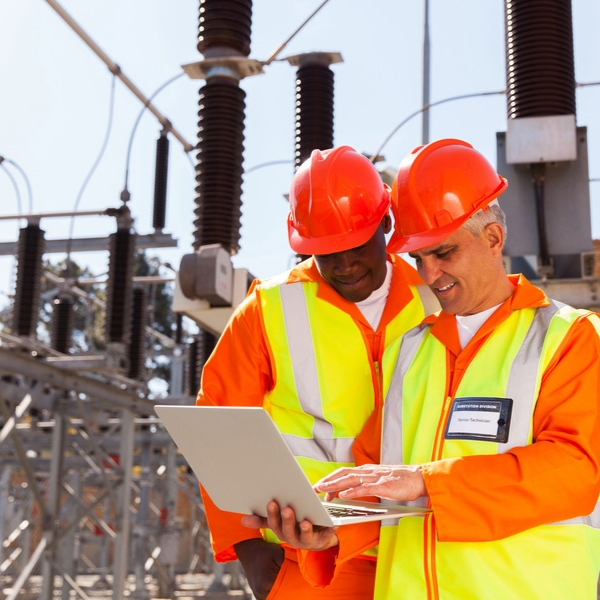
{"points": [[340, 510]]}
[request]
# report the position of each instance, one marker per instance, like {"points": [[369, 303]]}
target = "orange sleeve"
{"points": [[321, 568], [557, 477], [238, 373]]}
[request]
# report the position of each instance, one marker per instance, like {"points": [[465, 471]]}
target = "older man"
{"points": [[491, 416]]}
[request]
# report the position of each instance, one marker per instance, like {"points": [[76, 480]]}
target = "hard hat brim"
{"points": [[399, 244], [330, 244]]}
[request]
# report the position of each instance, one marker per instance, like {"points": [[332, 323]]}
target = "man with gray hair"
{"points": [[491, 418]]}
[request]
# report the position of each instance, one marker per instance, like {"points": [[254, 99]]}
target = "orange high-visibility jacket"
{"points": [[489, 497], [245, 345]]}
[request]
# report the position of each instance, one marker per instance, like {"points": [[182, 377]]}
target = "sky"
{"points": [[67, 148]]}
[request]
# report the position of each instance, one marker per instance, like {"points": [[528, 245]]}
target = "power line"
{"points": [[426, 107]]}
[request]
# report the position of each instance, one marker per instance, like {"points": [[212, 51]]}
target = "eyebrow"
{"points": [[437, 250]]}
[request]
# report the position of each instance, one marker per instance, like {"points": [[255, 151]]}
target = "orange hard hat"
{"points": [[337, 201], [437, 188]]}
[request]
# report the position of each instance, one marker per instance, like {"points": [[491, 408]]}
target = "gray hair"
{"points": [[477, 222]]}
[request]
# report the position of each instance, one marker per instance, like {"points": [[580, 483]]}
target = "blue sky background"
{"points": [[55, 105]]}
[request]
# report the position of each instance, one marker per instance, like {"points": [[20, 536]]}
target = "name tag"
{"points": [[484, 419]]}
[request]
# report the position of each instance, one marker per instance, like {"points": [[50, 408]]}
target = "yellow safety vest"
{"points": [[551, 562], [326, 384]]}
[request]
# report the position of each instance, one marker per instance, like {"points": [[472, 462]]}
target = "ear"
{"points": [[386, 223], [494, 236]]}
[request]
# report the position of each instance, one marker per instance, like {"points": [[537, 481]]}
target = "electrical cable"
{"points": [[14, 183], [423, 108], [125, 193], [281, 46], [111, 111], [13, 269], [25, 178], [267, 164]]}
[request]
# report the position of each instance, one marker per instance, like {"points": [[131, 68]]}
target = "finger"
{"points": [[273, 516], [349, 480], [341, 472], [290, 527], [254, 522]]}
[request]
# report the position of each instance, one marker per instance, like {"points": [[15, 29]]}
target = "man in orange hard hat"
{"points": [[306, 345], [491, 419]]}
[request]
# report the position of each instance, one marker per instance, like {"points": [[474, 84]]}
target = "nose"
{"points": [[345, 262], [429, 270]]}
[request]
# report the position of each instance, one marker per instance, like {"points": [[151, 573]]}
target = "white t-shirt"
{"points": [[372, 307], [470, 324]]}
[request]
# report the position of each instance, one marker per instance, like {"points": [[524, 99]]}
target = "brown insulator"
{"points": [[197, 353], [225, 23], [160, 182], [119, 286], [61, 327], [218, 169], [27, 299], [314, 110], [539, 58], [137, 338]]}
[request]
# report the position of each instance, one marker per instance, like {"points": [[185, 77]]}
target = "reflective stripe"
{"points": [[391, 451], [326, 450], [521, 386], [302, 351]]}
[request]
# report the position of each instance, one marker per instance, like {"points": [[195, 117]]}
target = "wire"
{"points": [[267, 164], [25, 178], [12, 180], [19, 208], [125, 193], [423, 108], [279, 48], [111, 111]]}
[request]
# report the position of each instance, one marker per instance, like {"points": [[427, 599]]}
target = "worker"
{"points": [[306, 345], [491, 415]]}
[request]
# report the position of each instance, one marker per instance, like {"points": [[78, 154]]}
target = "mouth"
{"points": [[444, 289], [352, 283]]}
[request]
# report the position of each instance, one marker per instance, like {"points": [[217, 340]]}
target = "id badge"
{"points": [[483, 419]]}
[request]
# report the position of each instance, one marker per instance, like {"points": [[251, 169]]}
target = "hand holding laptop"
{"points": [[303, 535]]}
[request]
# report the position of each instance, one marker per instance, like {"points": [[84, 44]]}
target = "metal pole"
{"points": [[426, 75], [51, 521], [115, 69], [121, 554]]}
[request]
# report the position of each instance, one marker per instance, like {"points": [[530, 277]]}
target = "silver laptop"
{"points": [[243, 462]]}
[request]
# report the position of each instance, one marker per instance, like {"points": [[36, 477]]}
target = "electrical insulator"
{"points": [[137, 339], [191, 383], [119, 287], [198, 351], [160, 182], [540, 60], [225, 24], [26, 303], [219, 166], [178, 328], [61, 327], [314, 110]]}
